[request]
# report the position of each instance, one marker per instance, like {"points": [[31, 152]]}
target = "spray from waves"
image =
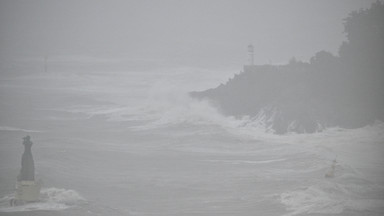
{"points": [[63, 196], [175, 109], [159, 99], [53, 199], [168, 104], [164, 102], [311, 200], [332, 198]]}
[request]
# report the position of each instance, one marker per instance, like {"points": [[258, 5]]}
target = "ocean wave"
{"points": [[50, 199], [239, 162], [312, 200], [113, 112], [165, 103], [169, 108], [6, 128], [330, 197]]}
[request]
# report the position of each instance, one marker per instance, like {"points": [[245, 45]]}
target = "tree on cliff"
{"points": [[346, 91], [362, 61], [365, 33]]}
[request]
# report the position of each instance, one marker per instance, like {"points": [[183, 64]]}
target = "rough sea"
{"points": [[132, 142]]}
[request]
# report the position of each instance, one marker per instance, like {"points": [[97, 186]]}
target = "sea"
{"points": [[131, 141]]}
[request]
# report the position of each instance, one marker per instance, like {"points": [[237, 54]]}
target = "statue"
{"points": [[27, 189], [27, 172]]}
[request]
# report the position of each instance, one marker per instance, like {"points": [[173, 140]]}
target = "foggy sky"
{"points": [[193, 32]]}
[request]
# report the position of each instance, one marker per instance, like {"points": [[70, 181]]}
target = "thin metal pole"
{"points": [[45, 64]]}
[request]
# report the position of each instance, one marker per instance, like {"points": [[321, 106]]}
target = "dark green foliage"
{"points": [[346, 91]]}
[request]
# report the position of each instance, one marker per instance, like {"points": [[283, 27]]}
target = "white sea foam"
{"points": [[6, 128], [50, 199], [166, 105], [333, 197], [312, 200], [248, 161]]}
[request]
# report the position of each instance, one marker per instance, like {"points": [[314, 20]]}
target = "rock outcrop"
{"points": [[345, 90]]}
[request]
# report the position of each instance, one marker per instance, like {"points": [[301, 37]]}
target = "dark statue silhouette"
{"points": [[27, 189], [27, 172]]}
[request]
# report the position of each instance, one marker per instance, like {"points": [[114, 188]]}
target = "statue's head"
{"points": [[27, 138]]}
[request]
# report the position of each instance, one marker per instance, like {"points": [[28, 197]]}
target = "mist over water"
{"points": [[135, 143], [103, 89]]}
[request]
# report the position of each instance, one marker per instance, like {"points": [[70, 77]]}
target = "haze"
{"points": [[141, 108], [188, 32]]}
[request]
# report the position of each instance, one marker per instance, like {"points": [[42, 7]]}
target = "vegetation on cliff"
{"points": [[345, 90]]}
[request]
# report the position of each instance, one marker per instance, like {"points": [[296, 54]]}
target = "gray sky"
{"points": [[191, 32]]}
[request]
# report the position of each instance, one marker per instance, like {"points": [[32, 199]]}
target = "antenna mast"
{"points": [[251, 54], [45, 64]]}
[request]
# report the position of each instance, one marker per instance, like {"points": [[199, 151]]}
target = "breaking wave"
{"points": [[348, 192], [6, 128], [165, 107], [50, 199]]}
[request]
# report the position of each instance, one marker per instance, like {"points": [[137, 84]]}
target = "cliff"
{"points": [[345, 90]]}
